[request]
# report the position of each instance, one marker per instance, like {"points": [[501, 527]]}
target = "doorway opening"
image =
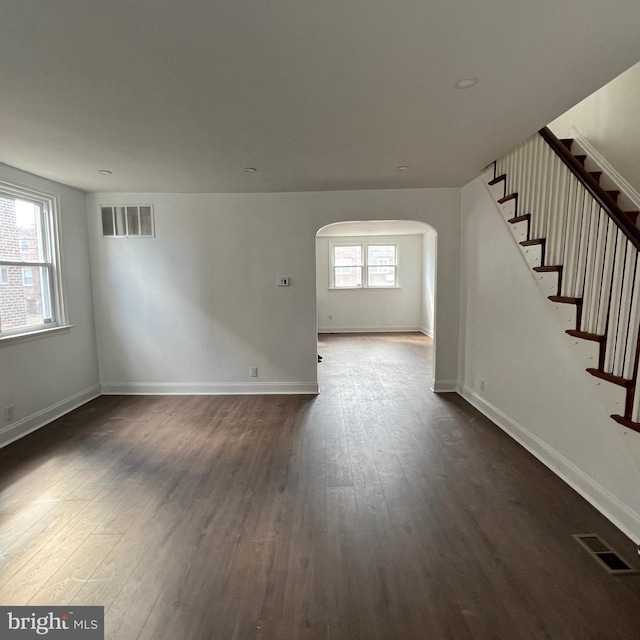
{"points": [[376, 277]]}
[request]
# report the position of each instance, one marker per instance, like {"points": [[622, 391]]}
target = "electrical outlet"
{"points": [[284, 282], [254, 372], [9, 413]]}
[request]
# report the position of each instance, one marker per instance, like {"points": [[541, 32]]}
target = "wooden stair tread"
{"points": [[581, 159], [585, 335], [633, 215], [596, 175], [525, 217], [549, 269], [567, 142], [498, 179], [626, 422], [609, 377], [531, 243], [511, 196], [565, 300]]}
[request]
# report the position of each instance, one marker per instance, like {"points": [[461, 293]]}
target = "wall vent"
{"points": [[127, 221], [609, 559]]}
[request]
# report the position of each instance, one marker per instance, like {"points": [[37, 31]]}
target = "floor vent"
{"points": [[604, 554]]}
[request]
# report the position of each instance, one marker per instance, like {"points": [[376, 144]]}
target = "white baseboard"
{"points": [[208, 389], [31, 423], [427, 332], [443, 386], [359, 329], [627, 520]]}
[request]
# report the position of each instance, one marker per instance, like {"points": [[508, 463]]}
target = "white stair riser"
{"points": [[497, 190], [533, 255], [586, 352], [487, 173], [566, 315], [519, 231], [548, 282], [612, 395], [508, 209]]}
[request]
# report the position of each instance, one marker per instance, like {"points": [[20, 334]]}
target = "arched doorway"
{"points": [[376, 277]]}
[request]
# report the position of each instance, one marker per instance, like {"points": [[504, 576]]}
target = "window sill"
{"points": [[34, 335], [362, 288]]}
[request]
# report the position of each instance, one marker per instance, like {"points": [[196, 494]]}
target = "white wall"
{"points": [[533, 386], [193, 309], [397, 309], [429, 257], [608, 121], [44, 377]]}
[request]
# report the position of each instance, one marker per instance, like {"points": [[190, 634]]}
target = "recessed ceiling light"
{"points": [[404, 167], [105, 172], [466, 83], [250, 169]]}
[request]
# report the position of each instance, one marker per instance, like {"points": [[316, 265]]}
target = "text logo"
{"points": [[53, 623]]}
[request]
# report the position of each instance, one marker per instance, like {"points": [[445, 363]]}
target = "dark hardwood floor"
{"points": [[376, 510]]}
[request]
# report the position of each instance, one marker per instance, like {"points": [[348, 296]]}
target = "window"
{"points": [[127, 221], [31, 295], [347, 266], [364, 265], [381, 265]]}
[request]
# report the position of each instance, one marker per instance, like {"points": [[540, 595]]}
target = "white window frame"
{"points": [[51, 262], [332, 263], [364, 267]]}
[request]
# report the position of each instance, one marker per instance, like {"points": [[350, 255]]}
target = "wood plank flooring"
{"points": [[375, 511]]}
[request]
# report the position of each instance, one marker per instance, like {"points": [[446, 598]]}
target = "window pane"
{"points": [[108, 228], [381, 277], [381, 254], [146, 222], [120, 221], [348, 276], [20, 230], [347, 256], [25, 299], [133, 226]]}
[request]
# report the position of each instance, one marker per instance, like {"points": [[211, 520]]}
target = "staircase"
{"points": [[579, 235]]}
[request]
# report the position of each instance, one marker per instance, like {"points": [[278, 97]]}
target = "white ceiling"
{"points": [[317, 95]]}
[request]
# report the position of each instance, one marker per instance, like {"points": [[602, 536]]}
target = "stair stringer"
{"points": [[587, 353]]}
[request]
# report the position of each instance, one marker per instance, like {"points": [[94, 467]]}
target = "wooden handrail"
{"points": [[590, 184]]}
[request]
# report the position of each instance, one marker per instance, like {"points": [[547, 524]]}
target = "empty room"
{"points": [[319, 320]]}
